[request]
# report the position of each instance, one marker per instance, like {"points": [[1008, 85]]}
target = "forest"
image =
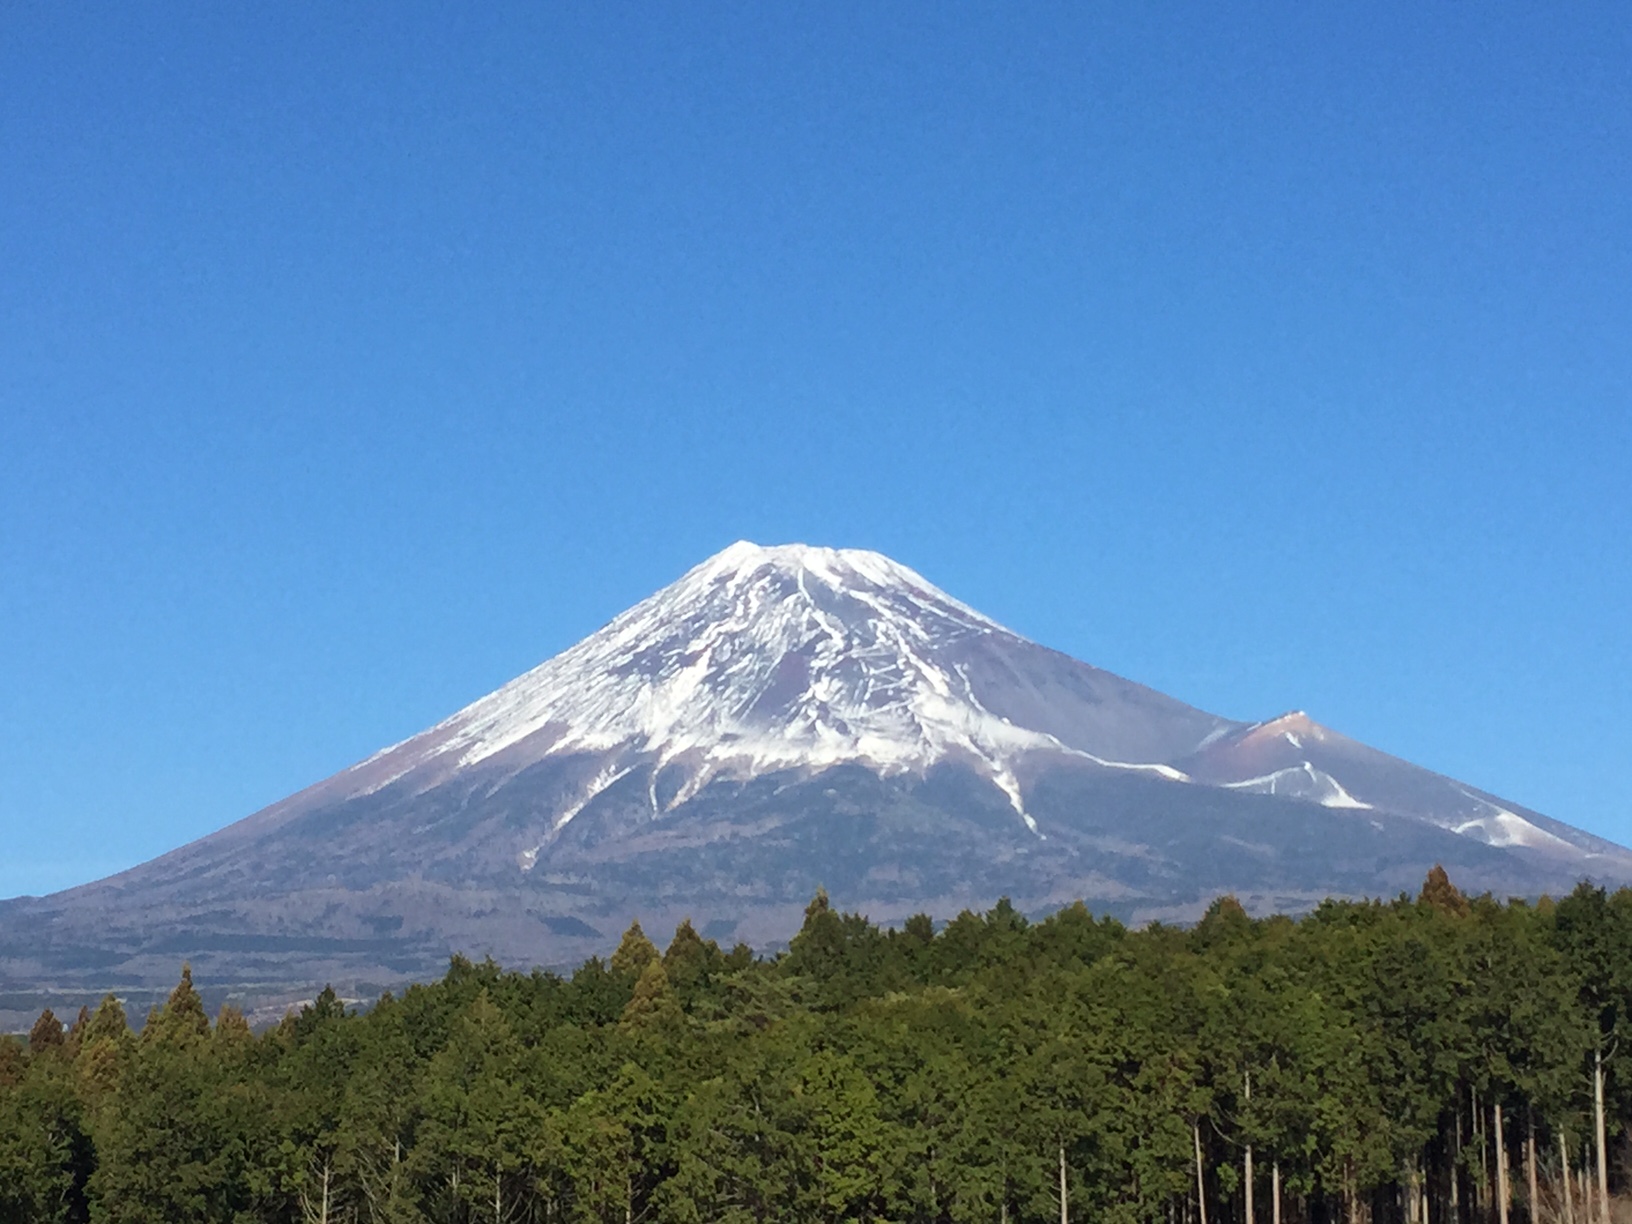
{"points": [[1432, 1060]]}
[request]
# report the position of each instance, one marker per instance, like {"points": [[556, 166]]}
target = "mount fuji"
{"points": [[780, 719]]}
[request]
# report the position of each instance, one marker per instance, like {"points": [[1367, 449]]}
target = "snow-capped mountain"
{"points": [[762, 660], [782, 718]]}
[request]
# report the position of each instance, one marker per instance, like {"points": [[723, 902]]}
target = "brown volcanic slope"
{"points": [[778, 719]]}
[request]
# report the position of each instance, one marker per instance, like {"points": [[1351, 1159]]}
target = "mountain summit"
{"points": [[782, 718], [797, 658]]}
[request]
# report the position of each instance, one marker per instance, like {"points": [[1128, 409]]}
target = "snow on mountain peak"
{"points": [[839, 569], [759, 659]]}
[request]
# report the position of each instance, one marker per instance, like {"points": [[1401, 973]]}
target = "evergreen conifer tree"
{"points": [[231, 1026], [183, 1017], [654, 1004], [107, 1022], [46, 1034], [634, 952], [1439, 893]]}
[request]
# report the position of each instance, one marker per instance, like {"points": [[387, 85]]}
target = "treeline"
{"points": [[1436, 1060]]}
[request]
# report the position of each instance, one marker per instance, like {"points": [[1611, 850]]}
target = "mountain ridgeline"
{"points": [[782, 719]]}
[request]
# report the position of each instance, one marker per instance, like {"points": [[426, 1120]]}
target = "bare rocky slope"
{"points": [[778, 719]]}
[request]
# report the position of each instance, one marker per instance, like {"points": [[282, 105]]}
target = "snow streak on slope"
{"points": [[1501, 827], [1301, 781]]}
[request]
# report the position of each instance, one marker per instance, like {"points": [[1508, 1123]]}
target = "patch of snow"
{"points": [[1163, 771], [1302, 782], [597, 785], [1501, 827], [1340, 798]]}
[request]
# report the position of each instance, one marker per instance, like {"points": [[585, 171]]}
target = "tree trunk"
{"points": [[1530, 1166], [1456, 1170], [1487, 1174], [1598, 1121], [1501, 1165], [1564, 1166], [1201, 1185], [1275, 1191], [1065, 1203], [1247, 1163], [1481, 1183], [318, 1213]]}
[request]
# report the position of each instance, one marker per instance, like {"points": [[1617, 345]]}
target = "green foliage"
{"points": [[1439, 893], [46, 1155], [47, 1034], [182, 1019], [634, 953], [654, 1004], [911, 1075]]}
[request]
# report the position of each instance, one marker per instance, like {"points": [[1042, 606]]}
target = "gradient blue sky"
{"points": [[355, 359]]}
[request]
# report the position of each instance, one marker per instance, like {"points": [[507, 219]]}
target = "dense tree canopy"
{"points": [[1427, 1061]]}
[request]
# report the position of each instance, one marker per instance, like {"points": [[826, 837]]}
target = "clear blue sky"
{"points": [[354, 359]]}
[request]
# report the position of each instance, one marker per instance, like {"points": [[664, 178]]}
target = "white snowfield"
{"points": [[1302, 782], [760, 660], [764, 659], [768, 657], [1501, 827]]}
